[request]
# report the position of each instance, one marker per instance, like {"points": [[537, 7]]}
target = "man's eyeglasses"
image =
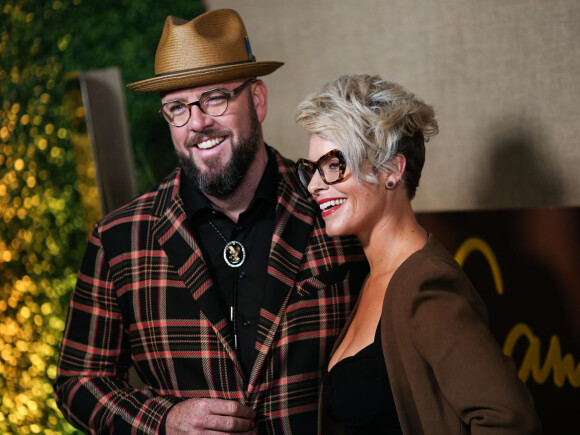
{"points": [[213, 103], [331, 167]]}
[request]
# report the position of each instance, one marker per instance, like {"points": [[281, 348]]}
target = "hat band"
{"points": [[253, 59]]}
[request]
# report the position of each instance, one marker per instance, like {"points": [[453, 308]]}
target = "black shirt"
{"points": [[357, 392], [254, 230]]}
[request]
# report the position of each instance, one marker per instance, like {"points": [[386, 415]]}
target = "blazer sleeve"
{"points": [[91, 385], [449, 329]]}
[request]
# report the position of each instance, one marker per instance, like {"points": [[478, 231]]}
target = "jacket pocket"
{"points": [[313, 284]]}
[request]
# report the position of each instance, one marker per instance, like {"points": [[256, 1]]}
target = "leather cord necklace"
{"points": [[234, 255]]}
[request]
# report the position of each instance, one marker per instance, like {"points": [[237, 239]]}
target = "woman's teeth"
{"points": [[209, 143], [332, 203]]}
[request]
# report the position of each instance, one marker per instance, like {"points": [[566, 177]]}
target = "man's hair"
{"points": [[371, 120]]}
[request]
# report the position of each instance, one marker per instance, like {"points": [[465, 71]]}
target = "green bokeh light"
{"points": [[48, 194]]}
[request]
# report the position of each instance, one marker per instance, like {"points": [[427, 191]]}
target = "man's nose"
{"points": [[199, 120]]}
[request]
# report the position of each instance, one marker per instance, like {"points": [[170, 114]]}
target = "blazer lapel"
{"points": [[175, 238], [294, 216]]}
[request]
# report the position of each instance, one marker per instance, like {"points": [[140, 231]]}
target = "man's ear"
{"points": [[260, 98]]}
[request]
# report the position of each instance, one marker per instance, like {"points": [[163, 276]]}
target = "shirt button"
{"points": [[242, 275], [248, 323]]}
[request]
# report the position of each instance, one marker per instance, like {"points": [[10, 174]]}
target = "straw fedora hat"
{"points": [[212, 48]]}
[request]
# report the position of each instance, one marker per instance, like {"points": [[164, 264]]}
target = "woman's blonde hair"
{"points": [[370, 120]]}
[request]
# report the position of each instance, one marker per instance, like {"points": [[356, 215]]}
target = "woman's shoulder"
{"points": [[431, 270], [430, 261]]}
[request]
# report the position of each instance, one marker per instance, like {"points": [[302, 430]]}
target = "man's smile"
{"points": [[209, 143]]}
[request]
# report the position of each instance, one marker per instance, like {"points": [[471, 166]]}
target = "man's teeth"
{"points": [[209, 143], [332, 203]]}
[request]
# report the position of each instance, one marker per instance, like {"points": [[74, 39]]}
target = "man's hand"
{"points": [[210, 416]]}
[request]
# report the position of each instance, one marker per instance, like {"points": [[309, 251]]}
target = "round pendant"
{"points": [[234, 254]]}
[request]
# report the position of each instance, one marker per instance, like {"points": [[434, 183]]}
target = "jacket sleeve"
{"points": [[92, 388], [449, 329]]}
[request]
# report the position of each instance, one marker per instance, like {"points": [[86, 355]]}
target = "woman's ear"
{"points": [[260, 98], [397, 166]]}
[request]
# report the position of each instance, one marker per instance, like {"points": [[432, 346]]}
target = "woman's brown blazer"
{"points": [[447, 372]]}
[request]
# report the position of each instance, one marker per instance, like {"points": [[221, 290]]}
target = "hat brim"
{"points": [[188, 79]]}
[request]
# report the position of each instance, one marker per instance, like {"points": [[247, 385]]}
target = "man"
{"points": [[220, 285]]}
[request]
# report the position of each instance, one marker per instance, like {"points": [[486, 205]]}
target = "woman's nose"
{"points": [[316, 184]]}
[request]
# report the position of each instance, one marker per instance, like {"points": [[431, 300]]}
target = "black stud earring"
{"points": [[390, 184]]}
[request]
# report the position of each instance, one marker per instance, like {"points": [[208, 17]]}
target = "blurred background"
{"points": [[49, 186], [503, 79]]}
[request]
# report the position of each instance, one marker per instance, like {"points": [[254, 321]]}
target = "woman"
{"points": [[416, 356]]}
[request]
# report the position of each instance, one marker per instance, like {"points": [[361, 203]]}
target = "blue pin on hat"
{"points": [[250, 55]]}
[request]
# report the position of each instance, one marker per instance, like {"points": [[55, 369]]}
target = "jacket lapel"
{"points": [[173, 233], [294, 222]]}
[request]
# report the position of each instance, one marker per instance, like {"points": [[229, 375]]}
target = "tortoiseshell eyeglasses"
{"points": [[331, 167]]}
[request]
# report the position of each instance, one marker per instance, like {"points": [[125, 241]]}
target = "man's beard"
{"points": [[221, 181]]}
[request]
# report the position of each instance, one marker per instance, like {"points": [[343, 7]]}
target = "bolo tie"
{"points": [[234, 255]]}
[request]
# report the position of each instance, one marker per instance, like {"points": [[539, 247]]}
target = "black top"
{"points": [[357, 392], [254, 230]]}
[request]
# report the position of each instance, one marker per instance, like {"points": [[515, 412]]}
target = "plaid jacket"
{"points": [[144, 297]]}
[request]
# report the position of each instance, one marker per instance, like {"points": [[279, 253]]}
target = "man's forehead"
{"points": [[196, 91]]}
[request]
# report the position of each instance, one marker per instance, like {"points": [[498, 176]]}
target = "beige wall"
{"points": [[503, 78]]}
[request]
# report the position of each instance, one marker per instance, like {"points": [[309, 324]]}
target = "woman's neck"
{"points": [[393, 240]]}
